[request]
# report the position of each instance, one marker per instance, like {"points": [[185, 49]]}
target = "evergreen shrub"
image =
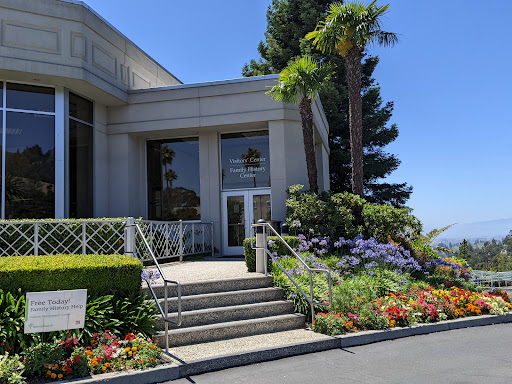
{"points": [[99, 274]]}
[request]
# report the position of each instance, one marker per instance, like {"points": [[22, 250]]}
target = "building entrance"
{"points": [[241, 209]]}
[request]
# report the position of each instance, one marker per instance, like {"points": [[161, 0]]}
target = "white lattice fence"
{"points": [[47, 237]]}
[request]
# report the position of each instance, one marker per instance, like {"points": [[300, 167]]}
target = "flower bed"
{"points": [[67, 359], [414, 306]]}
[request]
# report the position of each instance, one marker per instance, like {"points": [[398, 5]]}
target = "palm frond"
{"points": [[351, 24], [303, 77]]}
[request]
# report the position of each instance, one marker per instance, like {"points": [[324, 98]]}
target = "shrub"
{"points": [[11, 369], [39, 357], [333, 215], [116, 313], [98, 274], [275, 245]]}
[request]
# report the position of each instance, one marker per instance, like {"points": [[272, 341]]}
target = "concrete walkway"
{"points": [[208, 268]]}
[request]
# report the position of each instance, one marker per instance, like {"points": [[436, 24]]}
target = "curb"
{"points": [[168, 372]]}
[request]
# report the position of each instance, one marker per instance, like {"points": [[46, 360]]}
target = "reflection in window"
{"points": [[245, 160], [173, 179], [80, 157], [30, 97], [29, 166]]}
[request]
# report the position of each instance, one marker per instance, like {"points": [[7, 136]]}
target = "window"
{"points": [[28, 157], [81, 130], [245, 160], [173, 179]]}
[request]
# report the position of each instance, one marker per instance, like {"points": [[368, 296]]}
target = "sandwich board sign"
{"points": [[55, 310]]}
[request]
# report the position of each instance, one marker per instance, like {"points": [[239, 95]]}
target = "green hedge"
{"points": [[99, 274], [279, 247]]}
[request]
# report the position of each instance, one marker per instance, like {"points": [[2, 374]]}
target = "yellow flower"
{"points": [[127, 349], [134, 349], [130, 353]]}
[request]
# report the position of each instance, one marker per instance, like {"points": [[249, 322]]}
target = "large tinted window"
{"points": [[30, 97], [29, 166], [173, 179], [81, 130], [245, 160]]}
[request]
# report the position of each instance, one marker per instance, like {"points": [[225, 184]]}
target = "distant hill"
{"points": [[482, 230]]}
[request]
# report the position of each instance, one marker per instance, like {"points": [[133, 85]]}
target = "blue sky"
{"points": [[449, 78]]}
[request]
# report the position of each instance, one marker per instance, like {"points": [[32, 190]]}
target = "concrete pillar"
{"points": [[261, 244]]}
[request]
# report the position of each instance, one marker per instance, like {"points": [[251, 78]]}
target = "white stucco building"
{"points": [[94, 127]]}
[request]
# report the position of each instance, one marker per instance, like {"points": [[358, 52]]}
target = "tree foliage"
{"points": [[288, 23]]}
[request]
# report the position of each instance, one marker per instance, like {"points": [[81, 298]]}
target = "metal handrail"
{"points": [[164, 313], [308, 268]]}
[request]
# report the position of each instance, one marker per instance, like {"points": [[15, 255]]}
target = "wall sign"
{"points": [[245, 160], [55, 310]]}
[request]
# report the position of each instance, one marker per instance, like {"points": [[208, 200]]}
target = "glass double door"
{"points": [[240, 210]]}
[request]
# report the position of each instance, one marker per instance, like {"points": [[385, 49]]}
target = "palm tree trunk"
{"points": [[353, 66], [306, 114]]}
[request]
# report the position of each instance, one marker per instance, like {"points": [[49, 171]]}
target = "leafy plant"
{"points": [[39, 357], [11, 369]]}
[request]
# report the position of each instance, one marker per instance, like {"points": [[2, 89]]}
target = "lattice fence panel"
{"points": [[17, 238]]}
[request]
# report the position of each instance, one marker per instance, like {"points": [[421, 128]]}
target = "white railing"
{"points": [[177, 238], [104, 236], [262, 244], [492, 278]]}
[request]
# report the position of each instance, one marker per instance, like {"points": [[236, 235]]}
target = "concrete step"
{"points": [[230, 313], [199, 358], [224, 299], [232, 329], [210, 286]]}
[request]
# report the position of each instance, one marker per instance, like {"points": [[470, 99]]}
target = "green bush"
{"points": [[278, 246], [118, 314], [99, 274], [11, 369], [333, 216]]}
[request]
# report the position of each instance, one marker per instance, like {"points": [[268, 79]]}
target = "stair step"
{"points": [[232, 329], [224, 299], [199, 358], [210, 286], [230, 313]]}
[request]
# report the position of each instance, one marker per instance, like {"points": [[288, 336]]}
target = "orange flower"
{"points": [[107, 365], [53, 376], [94, 363], [60, 376], [103, 368], [134, 349], [88, 353], [49, 373]]}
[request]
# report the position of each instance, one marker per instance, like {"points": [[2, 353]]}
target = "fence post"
{"points": [[84, 238], [261, 244], [181, 240], [211, 240], [129, 236], [36, 239], [193, 238]]}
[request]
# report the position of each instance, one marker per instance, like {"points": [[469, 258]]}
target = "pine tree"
{"points": [[288, 23]]}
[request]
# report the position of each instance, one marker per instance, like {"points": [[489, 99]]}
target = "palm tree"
{"points": [[347, 30], [299, 83], [252, 153]]}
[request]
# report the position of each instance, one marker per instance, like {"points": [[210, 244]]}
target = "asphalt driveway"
{"points": [[471, 355]]}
